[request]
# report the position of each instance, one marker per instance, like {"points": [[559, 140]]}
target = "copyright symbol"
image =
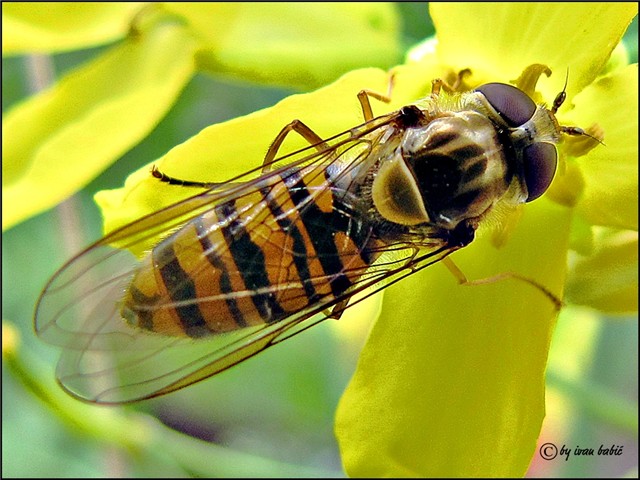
{"points": [[548, 451]]}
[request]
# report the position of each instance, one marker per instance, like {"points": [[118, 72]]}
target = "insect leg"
{"points": [[297, 126], [440, 84], [313, 138], [363, 97], [462, 279], [177, 181], [337, 310]]}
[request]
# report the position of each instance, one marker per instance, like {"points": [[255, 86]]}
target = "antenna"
{"points": [[562, 96], [557, 103]]}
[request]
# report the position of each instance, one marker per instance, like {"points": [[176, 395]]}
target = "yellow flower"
{"points": [[451, 381], [57, 141]]}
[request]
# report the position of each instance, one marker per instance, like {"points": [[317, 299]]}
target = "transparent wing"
{"points": [[106, 360]]}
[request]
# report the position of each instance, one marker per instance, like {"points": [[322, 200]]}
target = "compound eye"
{"points": [[513, 105], [540, 162]]}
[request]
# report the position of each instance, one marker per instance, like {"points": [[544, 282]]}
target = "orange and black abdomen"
{"points": [[288, 244]]}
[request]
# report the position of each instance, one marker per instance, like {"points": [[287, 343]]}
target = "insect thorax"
{"points": [[460, 166], [449, 169]]}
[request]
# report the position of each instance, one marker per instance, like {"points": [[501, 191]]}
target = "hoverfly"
{"points": [[247, 263]]}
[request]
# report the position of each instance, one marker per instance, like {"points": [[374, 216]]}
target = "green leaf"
{"points": [[48, 27], [60, 139], [303, 45], [145, 438]]}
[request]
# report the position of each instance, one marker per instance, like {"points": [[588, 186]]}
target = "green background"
{"points": [[277, 409]]}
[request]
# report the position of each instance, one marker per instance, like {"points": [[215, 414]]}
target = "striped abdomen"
{"points": [[286, 245]]}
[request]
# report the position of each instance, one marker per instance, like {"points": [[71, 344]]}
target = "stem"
{"points": [[40, 75]]}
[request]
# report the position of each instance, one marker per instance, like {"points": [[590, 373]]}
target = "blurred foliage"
{"points": [[274, 415], [280, 408]]}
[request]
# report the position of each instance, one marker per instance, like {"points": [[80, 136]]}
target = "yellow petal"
{"points": [[501, 39], [57, 141], [608, 279], [222, 151], [54, 27], [225, 150], [610, 172], [294, 44], [451, 380]]}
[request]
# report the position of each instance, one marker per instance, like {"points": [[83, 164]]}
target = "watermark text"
{"points": [[549, 451]]}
